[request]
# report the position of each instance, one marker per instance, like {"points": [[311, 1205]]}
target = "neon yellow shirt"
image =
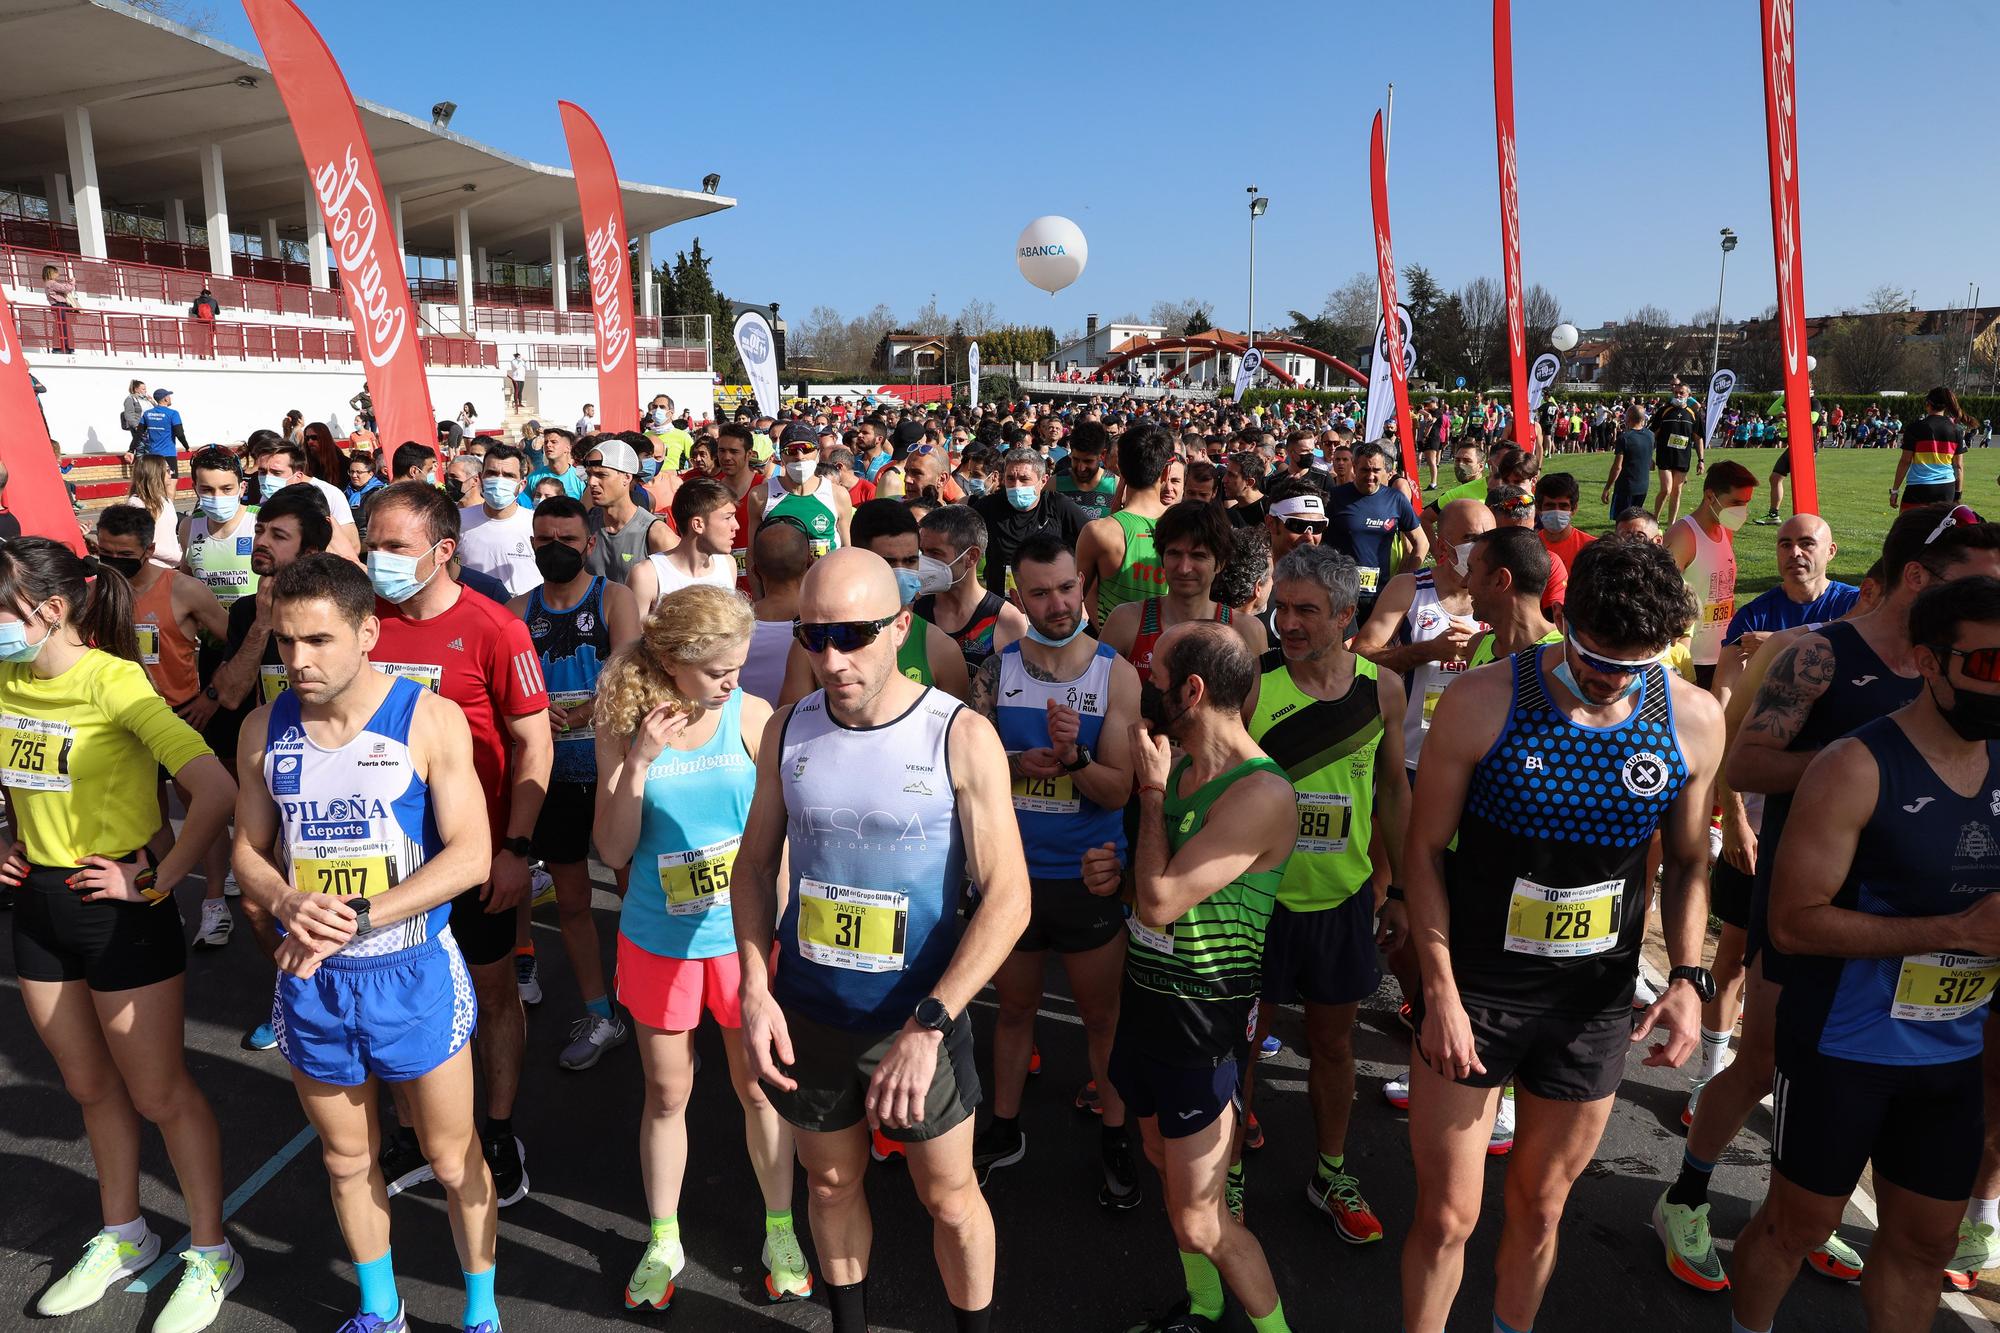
{"points": [[80, 756]]}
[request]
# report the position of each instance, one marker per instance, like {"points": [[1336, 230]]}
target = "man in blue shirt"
{"points": [[1804, 595], [162, 427], [1364, 516]]}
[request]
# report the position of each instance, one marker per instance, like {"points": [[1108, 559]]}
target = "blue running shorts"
{"points": [[395, 1016]]}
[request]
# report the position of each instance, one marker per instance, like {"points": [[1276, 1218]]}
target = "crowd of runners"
{"points": [[865, 711]]}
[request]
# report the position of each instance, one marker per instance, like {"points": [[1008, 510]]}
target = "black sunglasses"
{"points": [[845, 635], [1303, 527], [1982, 664]]}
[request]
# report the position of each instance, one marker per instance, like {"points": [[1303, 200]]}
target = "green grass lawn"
{"points": [[1853, 498]]}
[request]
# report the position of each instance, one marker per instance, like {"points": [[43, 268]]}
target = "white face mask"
{"points": [[1733, 517], [1461, 558], [800, 470]]}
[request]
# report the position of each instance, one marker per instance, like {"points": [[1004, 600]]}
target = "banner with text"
{"points": [[1540, 376], [1510, 220], [758, 347], [1781, 129], [1385, 276], [608, 257], [1246, 370], [341, 169], [35, 493], [1720, 386], [1381, 385], [972, 371]]}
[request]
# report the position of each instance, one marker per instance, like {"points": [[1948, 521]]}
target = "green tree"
{"points": [[1197, 322], [687, 289]]}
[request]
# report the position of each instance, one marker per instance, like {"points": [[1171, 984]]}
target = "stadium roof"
{"points": [[159, 92]]}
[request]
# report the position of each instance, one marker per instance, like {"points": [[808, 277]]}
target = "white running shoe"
{"points": [[216, 924], [1644, 993], [1396, 1092], [1502, 1141], [528, 978], [589, 1038], [230, 888]]}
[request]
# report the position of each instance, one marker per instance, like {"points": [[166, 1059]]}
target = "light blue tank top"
{"points": [[677, 905], [1058, 822]]}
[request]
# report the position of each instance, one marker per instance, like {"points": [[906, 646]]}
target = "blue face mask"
{"points": [[499, 492], [649, 468], [395, 576], [908, 584], [220, 508], [14, 645], [1063, 642], [1023, 497], [973, 485]]}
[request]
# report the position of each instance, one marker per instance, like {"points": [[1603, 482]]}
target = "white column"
{"points": [[464, 252], [56, 186], [648, 307], [215, 204], [89, 203], [479, 273], [176, 213], [558, 268], [322, 278], [396, 217], [273, 248]]}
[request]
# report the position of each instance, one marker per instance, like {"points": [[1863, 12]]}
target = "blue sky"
{"points": [[886, 154]]}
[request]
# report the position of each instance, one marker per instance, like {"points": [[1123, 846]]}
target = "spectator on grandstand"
{"points": [[468, 417], [293, 427], [324, 460], [163, 432], [517, 378], [61, 294], [131, 417], [363, 405]]}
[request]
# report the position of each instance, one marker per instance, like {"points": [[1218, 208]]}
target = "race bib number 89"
{"points": [[1564, 923], [1325, 819]]}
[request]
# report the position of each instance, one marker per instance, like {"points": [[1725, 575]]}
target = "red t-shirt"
{"points": [[480, 658], [1557, 592], [1568, 547]]}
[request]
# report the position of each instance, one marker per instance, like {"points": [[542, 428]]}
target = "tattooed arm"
{"points": [[1760, 759], [985, 686]]}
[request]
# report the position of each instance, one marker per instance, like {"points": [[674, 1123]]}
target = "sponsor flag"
{"points": [[606, 253], [1385, 274], [1781, 128], [758, 347], [1510, 222], [1547, 366], [1381, 385], [1720, 386], [972, 370], [341, 169], [1246, 370], [35, 493]]}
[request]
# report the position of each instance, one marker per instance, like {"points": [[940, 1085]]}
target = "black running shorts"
{"points": [[1729, 894], [1667, 459], [562, 833], [1922, 1126], [1558, 1057], [110, 945], [1184, 1099], [1069, 918], [834, 1067], [1323, 957]]}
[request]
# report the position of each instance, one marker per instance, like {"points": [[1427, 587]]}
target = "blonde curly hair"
{"points": [[693, 625]]}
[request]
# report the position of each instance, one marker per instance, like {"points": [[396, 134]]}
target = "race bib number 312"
{"points": [[1938, 987]]}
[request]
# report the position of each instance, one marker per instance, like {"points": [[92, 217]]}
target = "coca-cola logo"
{"points": [[6, 341], [1385, 274], [353, 223], [1510, 232], [605, 248], [1782, 92]]}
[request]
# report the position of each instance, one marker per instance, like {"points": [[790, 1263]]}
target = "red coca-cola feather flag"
{"points": [[35, 494], [1510, 219], [1385, 274], [606, 252], [1781, 128], [341, 169]]}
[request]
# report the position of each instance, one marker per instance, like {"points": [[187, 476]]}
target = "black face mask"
{"points": [[559, 563], [1975, 717], [1153, 707], [128, 565]]}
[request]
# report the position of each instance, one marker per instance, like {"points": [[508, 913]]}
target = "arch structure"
{"points": [[1203, 347]]}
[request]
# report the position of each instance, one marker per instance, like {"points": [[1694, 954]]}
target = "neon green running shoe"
{"points": [[1836, 1259], [1691, 1255], [206, 1282], [653, 1280], [1978, 1250], [106, 1260], [787, 1275]]}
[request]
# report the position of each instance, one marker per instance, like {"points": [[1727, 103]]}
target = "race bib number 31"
{"points": [[34, 753], [698, 880], [861, 930], [1564, 923], [1938, 987]]}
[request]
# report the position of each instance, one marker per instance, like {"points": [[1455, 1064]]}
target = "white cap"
{"points": [[1299, 506]]}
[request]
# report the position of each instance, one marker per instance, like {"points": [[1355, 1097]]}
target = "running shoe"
{"points": [[1175, 1319], [1835, 1258], [1339, 1197], [996, 1146], [589, 1038], [260, 1038], [528, 978], [1694, 1100], [484, 1326], [1034, 1059], [508, 1161], [1770, 520], [1121, 1174], [206, 1281], [1232, 1194], [106, 1261], [216, 924], [1270, 1047], [1501, 1142], [1253, 1133], [1396, 1091], [230, 888], [1644, 993], [404, 1165], [374, 1323], [787, 1275], [1978, 1250], [1691, 1256], [881, 1147], [1088, 1100], [541, 887], [653, 1280]]}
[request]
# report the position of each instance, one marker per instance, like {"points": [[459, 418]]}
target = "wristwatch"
{"points": [[359, 906], [1700, 978], [521, 847], [1084, 759], [932, 1014], [211, 694]]}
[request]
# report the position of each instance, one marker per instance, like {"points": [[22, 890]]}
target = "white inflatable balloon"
{"points": [[1563, 337], [1051, 253], [1812, 364]]}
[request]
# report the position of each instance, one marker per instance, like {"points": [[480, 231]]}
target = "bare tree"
{"points": [[931, 320], [1865, 354], [1887, 299], [1646, 350], [1349, 313], [1482, 307], [1541, 312], [198, 18], [977, 317], [1173, 316]]}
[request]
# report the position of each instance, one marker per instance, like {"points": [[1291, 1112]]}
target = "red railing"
{"points": [[126, 280], [62, 238], [504, 319], [445, 292], [145, 336]]}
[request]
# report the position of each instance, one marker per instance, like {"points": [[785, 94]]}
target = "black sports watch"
{"points": [[521, 847], [932, 1014], [1084, 759], [1700, 978], [212, 695], [359, 906]]}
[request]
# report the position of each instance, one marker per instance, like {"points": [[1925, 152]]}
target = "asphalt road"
{"points": [[567, 1249]]}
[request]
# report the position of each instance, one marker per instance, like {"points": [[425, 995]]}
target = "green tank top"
{"points": [[1094, 501], [223, 563], [1139, 575], [1484, 652], [1191, 989], [913, 659], [1327, 748], [822, 528]]}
